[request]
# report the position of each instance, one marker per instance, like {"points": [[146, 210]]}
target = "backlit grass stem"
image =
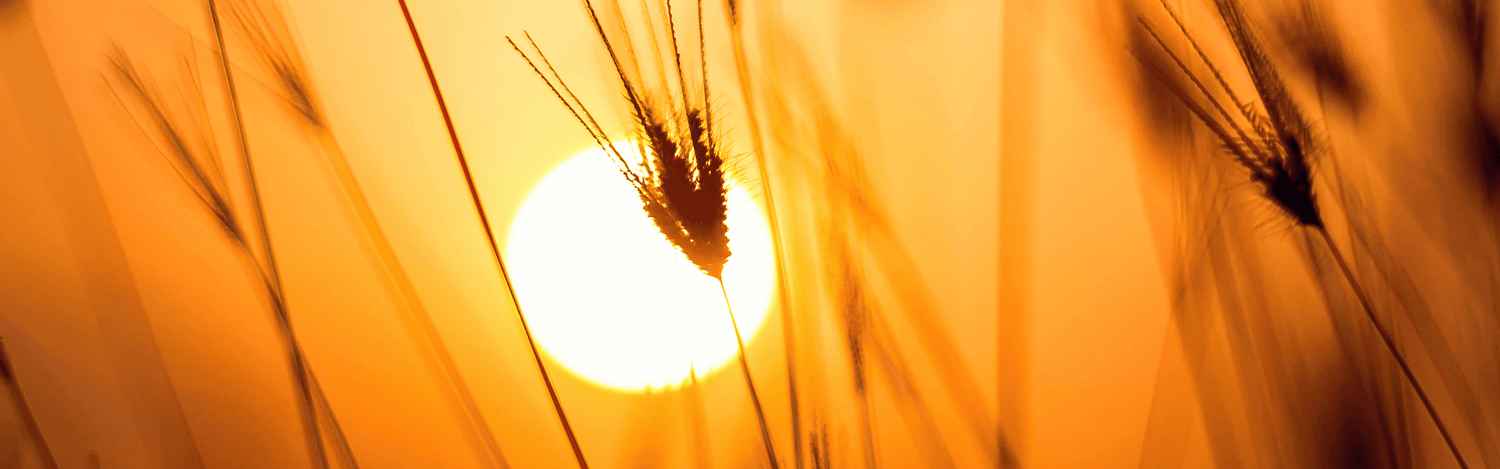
{"points": [[783, 291], [490, 236]]}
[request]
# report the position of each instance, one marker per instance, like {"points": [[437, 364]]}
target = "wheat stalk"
{"points": [[490, 236], [1275, 151], [788, 325], [806, 127], [871, 346], [680, 177], [855, 319], [267, 32], [204, 177]]}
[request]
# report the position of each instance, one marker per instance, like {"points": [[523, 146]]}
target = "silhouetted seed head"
{"points": [[1285, 135], [1271, 142], [684, 190], [266, 29], [1290, 186], [198, 165], [1286, 182], [680, 177]]}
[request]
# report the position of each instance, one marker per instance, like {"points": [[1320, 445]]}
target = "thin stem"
{"points": [[489, 234], [336, 432], [479, 428], [783, 292], [269, 274], [7, 373], [300, 373], [1391, 346], [760, 414]]}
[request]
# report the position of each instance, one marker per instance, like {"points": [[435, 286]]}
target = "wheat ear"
{"points": [[682, 187], [1275, 152], [205, 180]]}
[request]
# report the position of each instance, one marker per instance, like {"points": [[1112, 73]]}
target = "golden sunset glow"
{"points": [[610, 299]]}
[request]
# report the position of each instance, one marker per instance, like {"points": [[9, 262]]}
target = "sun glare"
{"points": [[608, 297]]}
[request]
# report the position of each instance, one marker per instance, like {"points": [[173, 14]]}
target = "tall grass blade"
{"points": [[834, 159], [494, 246], [208, 186], [778, 244], [1385, 338]]}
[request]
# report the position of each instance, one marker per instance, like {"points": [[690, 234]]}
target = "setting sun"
{"points": [[613, 301]]}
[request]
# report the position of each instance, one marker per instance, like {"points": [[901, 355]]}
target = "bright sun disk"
{"points": [[608, 297]]}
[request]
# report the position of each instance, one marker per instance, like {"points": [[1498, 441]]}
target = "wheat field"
{"points": [[946, 234]]}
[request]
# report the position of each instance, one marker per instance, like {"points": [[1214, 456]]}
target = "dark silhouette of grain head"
{"points": [[1270, 139], [680, 175], [1273, 141], [685, 192]]}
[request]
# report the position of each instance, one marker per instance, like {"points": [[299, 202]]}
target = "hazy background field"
{"points": [[996, 134]]}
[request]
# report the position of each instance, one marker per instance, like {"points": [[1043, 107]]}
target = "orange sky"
{"points": [[916, 82]]}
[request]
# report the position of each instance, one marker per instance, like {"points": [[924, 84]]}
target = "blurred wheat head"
{"points": [[1234, 317], [862, 274], [192, 150], [187, 144], [264, 26]]}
